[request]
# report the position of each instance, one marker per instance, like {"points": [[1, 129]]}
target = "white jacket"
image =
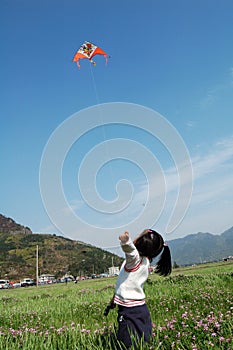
{"points": [[133, 274]]}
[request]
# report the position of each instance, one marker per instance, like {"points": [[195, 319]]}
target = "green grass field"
{"points": [[191, 309]]}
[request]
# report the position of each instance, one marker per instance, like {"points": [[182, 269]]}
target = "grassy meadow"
{"points": [[191, 309]]}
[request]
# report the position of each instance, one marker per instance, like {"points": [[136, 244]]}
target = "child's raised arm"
{"points": [[124, 237], [131, 253]]}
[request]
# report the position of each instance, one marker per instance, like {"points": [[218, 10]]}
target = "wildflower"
{"points": [[170, 325], [32, 330], [13, 331], [59, 330]]}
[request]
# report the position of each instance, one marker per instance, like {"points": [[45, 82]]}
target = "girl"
{"points": [[133, 314]]}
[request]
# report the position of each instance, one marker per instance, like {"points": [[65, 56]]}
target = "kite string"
{"points": [[94, 85], [102, 121], [98, 102], [113, 249]]}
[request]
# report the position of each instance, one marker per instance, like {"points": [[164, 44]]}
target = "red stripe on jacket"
{"points": [[128, 303], [135, 268]]}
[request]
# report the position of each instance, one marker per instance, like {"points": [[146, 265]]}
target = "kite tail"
{"points": [[106, 59], [78, 64], [93, 62]]}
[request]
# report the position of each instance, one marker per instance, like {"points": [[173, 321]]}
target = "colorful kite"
{"points": [[89, 50]]}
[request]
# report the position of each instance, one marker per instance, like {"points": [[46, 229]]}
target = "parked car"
{"points": [[16, 285], [4, 284], [27, 282], [103, 275]]}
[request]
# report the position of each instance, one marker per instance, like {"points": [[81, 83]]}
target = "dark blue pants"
{"points": [[133, 322]]}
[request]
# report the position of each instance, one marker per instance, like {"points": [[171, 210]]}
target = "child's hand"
{"points": [[124, 237]]}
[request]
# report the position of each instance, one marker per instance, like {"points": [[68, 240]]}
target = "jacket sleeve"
{"points": [[132, 256]]}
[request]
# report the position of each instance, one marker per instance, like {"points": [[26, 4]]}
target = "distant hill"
{"points": [[202, 247], [57, 255]]}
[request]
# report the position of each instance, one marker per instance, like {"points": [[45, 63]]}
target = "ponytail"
{"points": [[164, 265], [150, 244]]}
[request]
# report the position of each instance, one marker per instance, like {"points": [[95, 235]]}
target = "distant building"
{"points": [[113, 271], [46, 278]]}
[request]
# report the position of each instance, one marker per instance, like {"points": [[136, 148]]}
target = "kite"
{"points": [[89, 50]]}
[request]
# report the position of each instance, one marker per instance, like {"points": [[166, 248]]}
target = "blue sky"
{"points": [[172, 57]]}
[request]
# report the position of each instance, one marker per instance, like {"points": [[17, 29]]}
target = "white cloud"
{"points": [[217, 90], [212, 200], [190, 124], [74, 204], [213, 188], [220, 154]]}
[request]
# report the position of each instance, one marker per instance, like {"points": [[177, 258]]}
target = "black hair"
{"points": [[151, 244]]}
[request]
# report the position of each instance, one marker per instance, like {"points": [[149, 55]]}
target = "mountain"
{"points": [[202, 247], [8, 225], [57, 255]]}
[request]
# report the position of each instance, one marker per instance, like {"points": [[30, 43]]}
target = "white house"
{"points": [[113, 271]]}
